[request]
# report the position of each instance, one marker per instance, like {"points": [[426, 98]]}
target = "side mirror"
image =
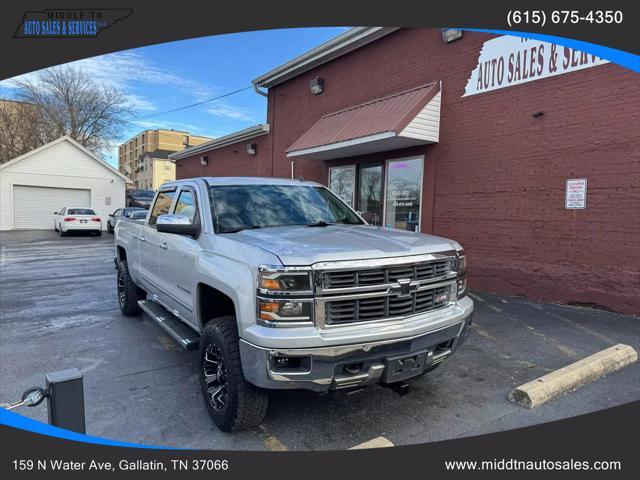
{"points": [[179, 224], [55, 213], [111, 214]]}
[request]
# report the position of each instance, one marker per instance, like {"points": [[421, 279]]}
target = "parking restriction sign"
{"points": [[576, 194]]}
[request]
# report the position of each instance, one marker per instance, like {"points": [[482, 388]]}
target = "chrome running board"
{"points": [[183, 334]]}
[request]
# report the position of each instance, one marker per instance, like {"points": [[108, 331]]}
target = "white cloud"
{"points": [[129, 70], [140, 103], [224, 109]]}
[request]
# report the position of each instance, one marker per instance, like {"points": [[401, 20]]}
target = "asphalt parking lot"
{"points": [[59, 310]]}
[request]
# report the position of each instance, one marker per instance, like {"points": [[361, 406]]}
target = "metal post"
{"points": [[65, 401]]}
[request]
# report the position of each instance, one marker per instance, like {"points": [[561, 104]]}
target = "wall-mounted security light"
{"points": [[252, 148], [204, 161], [537, 114], [451, 34], [317, 86]]}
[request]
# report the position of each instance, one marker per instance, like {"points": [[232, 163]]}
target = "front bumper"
{"points": [[353, 365]]}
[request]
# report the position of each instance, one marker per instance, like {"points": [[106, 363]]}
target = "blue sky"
{"points": [[170, 75]]}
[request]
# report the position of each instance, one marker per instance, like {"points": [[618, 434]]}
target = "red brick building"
{"points": [[473, 139]]}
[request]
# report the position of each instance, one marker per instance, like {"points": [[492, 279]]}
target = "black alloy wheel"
{"points": [[215, 376], [121, 287]]}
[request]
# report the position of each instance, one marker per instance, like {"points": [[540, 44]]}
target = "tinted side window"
{"points": [[162, 205], [186, 205]]}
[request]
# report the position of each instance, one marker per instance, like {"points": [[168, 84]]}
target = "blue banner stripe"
{"points": [[620, 57], [21, 422]]}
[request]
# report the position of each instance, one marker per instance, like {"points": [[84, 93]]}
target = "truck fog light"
{"points": [[290, 364]]}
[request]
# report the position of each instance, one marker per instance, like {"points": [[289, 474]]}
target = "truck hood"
{"points": [[298, 245]]}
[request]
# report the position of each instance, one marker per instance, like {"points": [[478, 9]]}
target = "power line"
{"points": [[153, 115]]}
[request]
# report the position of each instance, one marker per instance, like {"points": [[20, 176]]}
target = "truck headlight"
{"points": [[462, 274], [280, 310], [283, 280], [284, 296], [462, 263]]}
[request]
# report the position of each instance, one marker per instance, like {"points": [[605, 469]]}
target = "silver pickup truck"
{"points": [[284, 286]]}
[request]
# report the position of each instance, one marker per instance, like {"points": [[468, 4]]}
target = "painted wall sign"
{"points": [[575, 196], [506, 61]]}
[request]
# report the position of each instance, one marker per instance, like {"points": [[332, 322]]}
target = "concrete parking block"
{"points": [[554, 384], [378, 442]]}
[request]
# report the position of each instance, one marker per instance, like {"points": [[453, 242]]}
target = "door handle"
{"points": [[164, 246], [142, 239]]}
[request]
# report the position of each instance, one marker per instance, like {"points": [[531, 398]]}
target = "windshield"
{"points": [[80, 211], [239, 207]]}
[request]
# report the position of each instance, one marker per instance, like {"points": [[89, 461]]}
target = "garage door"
{"points": [[33, 207]]}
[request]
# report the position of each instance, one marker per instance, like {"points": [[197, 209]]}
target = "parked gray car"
{"points": [[120, 213], [284, 286]]}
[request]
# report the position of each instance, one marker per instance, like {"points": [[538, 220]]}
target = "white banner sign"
{"points": [[506, 61]]}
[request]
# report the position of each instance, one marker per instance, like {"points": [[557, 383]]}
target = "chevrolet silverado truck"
{"points": [[282, 285]]}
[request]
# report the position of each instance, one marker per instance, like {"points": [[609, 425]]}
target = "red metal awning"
{"points": [[404, 119]]}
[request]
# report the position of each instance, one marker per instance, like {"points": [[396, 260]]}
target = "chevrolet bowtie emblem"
{"points": [[405, 287]]}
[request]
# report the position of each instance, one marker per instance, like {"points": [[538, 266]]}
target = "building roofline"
{"points": [[168, 130], [73, 142], [344, 43], [235, 137]]}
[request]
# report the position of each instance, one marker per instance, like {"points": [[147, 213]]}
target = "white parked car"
{"points": [[77, 219]]}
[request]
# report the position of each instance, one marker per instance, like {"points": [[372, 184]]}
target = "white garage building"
{"points": [[58, 174]]}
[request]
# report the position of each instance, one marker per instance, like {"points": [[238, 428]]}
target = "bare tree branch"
{"points": [[62, 101]]}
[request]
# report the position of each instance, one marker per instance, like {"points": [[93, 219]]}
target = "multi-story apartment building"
{"points": [[154, 169], [143, 158]]}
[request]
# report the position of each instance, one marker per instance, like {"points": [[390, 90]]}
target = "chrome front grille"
{"points": [[360, 291], [381, 276], [338, 312]]}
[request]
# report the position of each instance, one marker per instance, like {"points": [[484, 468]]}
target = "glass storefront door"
{"points": [[370, 193], [342, 181], [388, 195], [403, 192]]}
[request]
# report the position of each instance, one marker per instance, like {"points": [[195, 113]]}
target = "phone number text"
{"points": [[540, 17]]}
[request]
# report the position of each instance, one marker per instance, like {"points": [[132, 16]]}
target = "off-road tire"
{"points": [[128, 292], [109, 228], [246, 404]]}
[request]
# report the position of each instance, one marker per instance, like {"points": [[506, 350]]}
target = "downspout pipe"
{"points": [[256, 88]]}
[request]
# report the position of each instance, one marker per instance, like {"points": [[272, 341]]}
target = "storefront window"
{"points": [[342, 181], [403, 194], [370, 193]]}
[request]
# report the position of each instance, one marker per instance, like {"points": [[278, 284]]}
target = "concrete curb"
{"points": [[554, 384], [378, 442]]}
